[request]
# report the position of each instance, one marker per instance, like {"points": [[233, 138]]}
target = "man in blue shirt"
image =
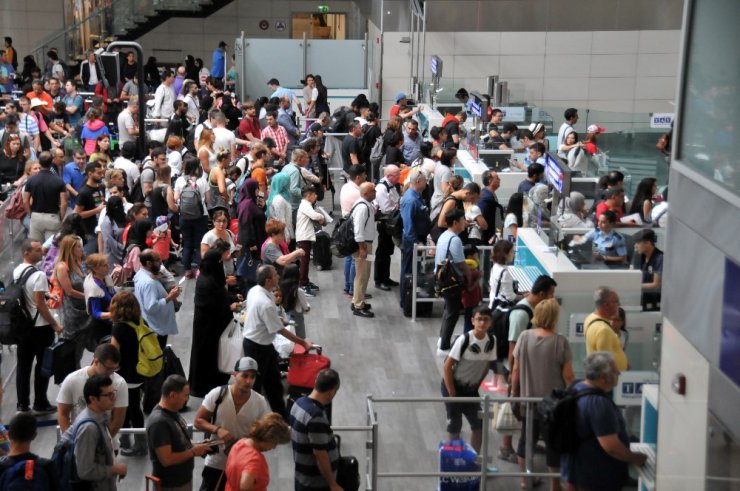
{"points": [[490, 208], [157, 305], [416, 222], [411, 142], [450, 245], [218, 62], [74, 176], [280, 92]]}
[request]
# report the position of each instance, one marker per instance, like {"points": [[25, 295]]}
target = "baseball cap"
{"points": [[595, 128], [245, 364], [536, 128], [161, 224], [400, 96]]}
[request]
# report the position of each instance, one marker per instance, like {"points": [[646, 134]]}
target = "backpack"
{"points": [[221, 396], [15, 209], [338, 122], [24, 476], [150, 352], [559, 416], [466, 342], [377, 152], [136, 195], [448, 281], [15, 320], [63, 458], [191, 203], [500, 328], [123, 273], [343, 236]]}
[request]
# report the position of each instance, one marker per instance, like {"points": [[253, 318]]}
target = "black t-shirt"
{"points": [[370, 134], [452, 128], [11, 168], [164, 427], [45, 189], [129, 346], [394, 155], [41, 463], [349, 145], [88, 199]]}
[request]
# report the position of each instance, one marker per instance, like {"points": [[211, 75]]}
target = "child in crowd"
{"points": [[294, 300], [472, 293], [162, 239], [278, 294]]}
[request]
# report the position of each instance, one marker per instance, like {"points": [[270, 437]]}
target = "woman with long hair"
{"points": [[543, 362], [162, 195], [212, 314], [500, 281], [151, 74], [68, 273], [193, 229], [514, 217], [71, 225], [102, 150], [99, 291], [112, 226], [125, 313], [219, 196], [191, 70], [642, 203], [246, 467], [204, 149], [12, 159], [322, 98]]}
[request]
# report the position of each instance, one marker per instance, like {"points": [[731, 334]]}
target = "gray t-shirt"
{"points": [[541, 360], [442, 173], [148, 175]]}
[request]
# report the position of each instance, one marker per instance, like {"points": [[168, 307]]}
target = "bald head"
{"points": [[367, 191], [392, 174]]}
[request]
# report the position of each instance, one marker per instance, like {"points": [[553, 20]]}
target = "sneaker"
{"points": [[307, 291], [507, 454], [383, 286], [313, 286], [47, 409], [22, 409]]}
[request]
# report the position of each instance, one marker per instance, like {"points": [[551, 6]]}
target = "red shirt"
{"points": [[249, 125], [244, 458], [395, 110], [603, 206]]}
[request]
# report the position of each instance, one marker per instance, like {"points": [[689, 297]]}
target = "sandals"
{"points": [[507, 454]]}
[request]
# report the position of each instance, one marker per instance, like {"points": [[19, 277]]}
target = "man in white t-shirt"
{"points": [[227, 413], [71, 400], [128, 130], [126, 164], [571, 118], [464, 369], [225, 139], [35, 289]]}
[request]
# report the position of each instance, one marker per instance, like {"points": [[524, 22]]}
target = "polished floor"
{"points": [[388, 356]]}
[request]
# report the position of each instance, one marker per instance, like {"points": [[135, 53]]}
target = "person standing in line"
{"points": [[218, 61], [45, 200], [597, 327], [315, 450], [35, 288], [227, 413], [416, 223], [363, 219], [388, 198], [90, 203], [22, 432], [164, 97], [170, 449]]}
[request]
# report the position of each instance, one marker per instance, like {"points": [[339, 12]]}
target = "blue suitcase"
{"points": [[458, 456]]}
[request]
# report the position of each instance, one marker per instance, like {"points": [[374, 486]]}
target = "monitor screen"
{"points": [[555, 172]]}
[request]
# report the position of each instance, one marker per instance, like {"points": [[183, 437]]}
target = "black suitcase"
{"points": [[295, 393], [424, 289], [348, 469], [322, 251]]}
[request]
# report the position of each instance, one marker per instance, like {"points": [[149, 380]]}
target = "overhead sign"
{"points": [[322, 9], [514, 114], [264, 25], [628, 391], [553, 173], [435, 66], [280, 25], [662, 120]]}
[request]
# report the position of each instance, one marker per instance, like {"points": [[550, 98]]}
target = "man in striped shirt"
{"points": [[314, 449]]}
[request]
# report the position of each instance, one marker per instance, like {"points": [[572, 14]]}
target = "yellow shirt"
{"points": [[601, 337]]}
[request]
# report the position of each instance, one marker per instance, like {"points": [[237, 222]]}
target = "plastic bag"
{"points": [[230, 347]]}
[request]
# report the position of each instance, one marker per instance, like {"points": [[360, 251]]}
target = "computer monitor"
{"points": [[587, 186], [495, 159]]}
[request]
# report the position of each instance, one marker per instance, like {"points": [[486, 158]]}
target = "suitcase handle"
{"points": [[317, 348]]}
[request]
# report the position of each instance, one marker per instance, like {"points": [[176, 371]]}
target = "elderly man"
{"points": [[262, 325], [363, 219], [598, 330], [388, 199], [416, 222], [602, 459], [285, 119], [348, 195]]}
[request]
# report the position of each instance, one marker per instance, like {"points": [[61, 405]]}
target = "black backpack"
{"points": [[65, 462], [500, 328], [15, 320], [136, 195], [338, 122], [559, 416], [343, 236]]}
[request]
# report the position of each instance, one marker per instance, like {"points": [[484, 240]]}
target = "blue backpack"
{"points": [[25, 475], [64, 459]]}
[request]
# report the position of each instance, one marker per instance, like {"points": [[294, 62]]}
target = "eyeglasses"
{"points": [[110, 395], [108, 368]]}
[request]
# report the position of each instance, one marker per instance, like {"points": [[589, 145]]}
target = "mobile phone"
{"points": [[182, 281]]}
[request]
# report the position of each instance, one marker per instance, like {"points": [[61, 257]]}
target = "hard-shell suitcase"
{"points": [[458, 456], [322, 251], [348, 469]]}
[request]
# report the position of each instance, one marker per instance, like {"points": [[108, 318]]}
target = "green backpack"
{"points": [[151, 358]]}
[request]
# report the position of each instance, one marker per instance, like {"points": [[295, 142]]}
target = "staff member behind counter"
{"points": [[609, 245], [649, 260]]}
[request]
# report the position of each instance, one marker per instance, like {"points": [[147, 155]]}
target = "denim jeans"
{"points": [[192, 233], [349, 274], [407, 255]]}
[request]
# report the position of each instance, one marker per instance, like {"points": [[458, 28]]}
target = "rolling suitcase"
{"points": [[424, 289], [348, 469], [457, 456], [322, 251]]}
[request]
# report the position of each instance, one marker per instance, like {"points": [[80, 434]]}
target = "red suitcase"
{"points": [[305, 366]]}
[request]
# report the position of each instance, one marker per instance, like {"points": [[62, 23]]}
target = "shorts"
{"points": [[455, 411]]}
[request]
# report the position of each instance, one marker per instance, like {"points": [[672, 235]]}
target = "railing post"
{"points": [[414, 273], [142, 79], [484, 442], [528, 450]]}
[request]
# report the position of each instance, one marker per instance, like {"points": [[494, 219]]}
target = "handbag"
{"points": [[230, 347], [56, 293], [15, 209], [448, 280], [59, 360], [247, 268], [506, 420]]}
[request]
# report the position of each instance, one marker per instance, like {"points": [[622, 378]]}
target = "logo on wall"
{"points": [[280, 25], [264, 25]]}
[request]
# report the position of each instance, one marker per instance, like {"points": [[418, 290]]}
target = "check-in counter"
{"points": [[509, 180]]}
